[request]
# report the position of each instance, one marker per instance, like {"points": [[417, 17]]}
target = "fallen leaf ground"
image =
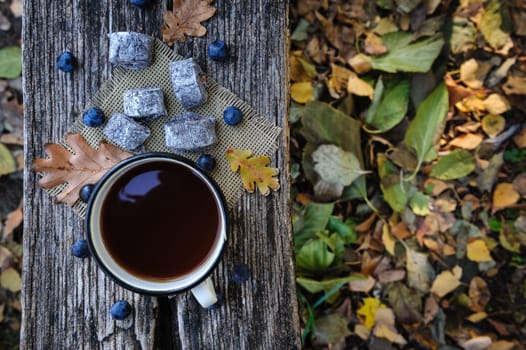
{"points": [[408, 145], [11, 169]]}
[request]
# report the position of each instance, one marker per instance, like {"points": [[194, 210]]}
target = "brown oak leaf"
{"points": [[85, 166], [186, 19], [253, 170]]}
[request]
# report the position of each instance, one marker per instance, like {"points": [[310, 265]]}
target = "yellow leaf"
{"points": [[467, 141], [253, 171], [10, 279], [360, 63], [359, 87], [478, 251], [388, 240], [368, 310], [389, 333], [496, 104], [186, 19], [472, 103], [493, 124], [502, 345], [297, 73], [302, 92], [504, 196], [362, 331], [477, 317], [338, 81], [473, 73], [445, 283]]}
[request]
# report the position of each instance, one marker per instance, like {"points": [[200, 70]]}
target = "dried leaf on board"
{"points": [[186, 19], [253, 170], [85, 166]]}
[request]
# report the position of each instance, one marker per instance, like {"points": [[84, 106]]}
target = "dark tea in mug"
{"points": [[160, 220]]}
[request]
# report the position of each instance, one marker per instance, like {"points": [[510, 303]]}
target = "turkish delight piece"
{"points": [[126, 132], [144, 104], [188, 82], [131, 50], [190, 132]]}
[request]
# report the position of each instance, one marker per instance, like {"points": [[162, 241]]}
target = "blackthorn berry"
{"points": [[120, 310], [66, 62], [207, 162], [217, 50], [232, 115]]}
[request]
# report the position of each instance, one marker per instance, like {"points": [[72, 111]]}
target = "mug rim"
{"points": [[211, 183]]}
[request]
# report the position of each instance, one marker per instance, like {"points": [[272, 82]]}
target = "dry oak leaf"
{"points": [[186, 19], [253, 171], [85, 166]]}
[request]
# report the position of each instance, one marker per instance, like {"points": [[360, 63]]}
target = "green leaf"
{"points": [[7, 162], [404, 56], [425, 130], [10, 62], [389, 105], [457, 164], [296, 112], [314, 219], [357, 190], [338, 247], [494, 26], [396, 192], [385, 4], [336, 166], [315, 286], [300, 32], [343, 229], [420, 204], [314, 256], [325, 124]]}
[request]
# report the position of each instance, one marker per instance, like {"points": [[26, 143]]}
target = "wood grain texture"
{"points": [[66, 300]]}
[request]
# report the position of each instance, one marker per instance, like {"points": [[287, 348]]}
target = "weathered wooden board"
{"points": [[66, 301]]}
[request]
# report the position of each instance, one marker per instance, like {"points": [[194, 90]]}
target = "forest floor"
{"points": [[408, 145], [11, 172]]}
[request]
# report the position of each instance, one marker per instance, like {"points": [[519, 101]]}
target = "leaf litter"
{"points": [[415, 139], [11, 173]]}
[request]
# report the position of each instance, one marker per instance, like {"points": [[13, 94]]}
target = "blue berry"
{"points": [[120, 310], [93, 117], [80, 249], [66, 62], [85, 192], [220, 301], [206, 162], [240, 273], [139, 3], [217, 50], [232, 115]]}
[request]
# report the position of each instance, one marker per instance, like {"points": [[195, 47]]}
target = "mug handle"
{"points": [[204, 293]]}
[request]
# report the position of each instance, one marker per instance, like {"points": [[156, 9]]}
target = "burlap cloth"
{"points": [[254, 132]]}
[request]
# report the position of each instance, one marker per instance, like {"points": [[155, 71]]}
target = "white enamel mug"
{"points": [[197, 279]]}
